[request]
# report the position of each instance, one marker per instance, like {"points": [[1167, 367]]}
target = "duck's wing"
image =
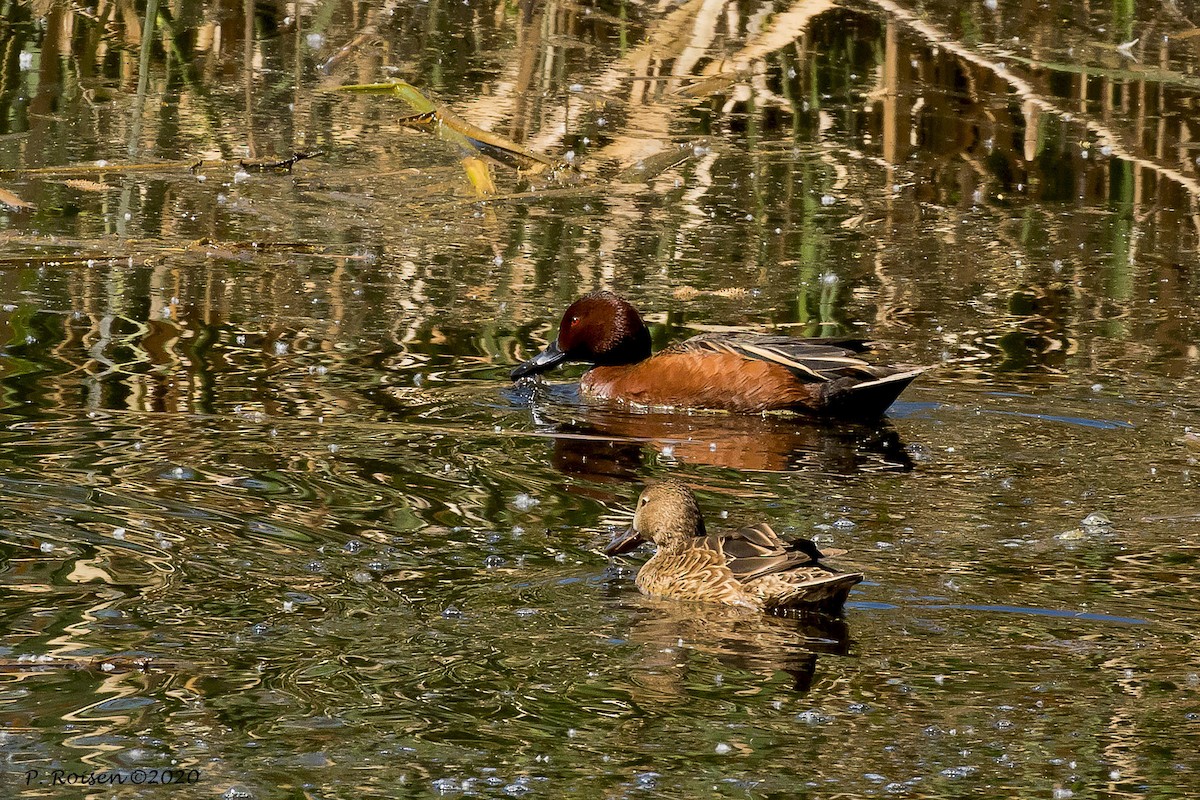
{"points": [[757, 550], [811, 360]]}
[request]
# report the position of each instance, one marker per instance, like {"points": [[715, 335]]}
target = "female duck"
{"points": [[751, 567], [731, 371]]}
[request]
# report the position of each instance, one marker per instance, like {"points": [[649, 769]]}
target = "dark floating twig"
{"points": [[278, 166]]}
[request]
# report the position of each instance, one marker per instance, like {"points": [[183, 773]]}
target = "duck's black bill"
{"points": [[547, 359], [623, 542]]}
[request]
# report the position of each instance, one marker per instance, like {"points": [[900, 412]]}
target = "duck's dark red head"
{"points": [[599, 328]]}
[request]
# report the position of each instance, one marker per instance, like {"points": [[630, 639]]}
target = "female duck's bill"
{"points": [[739, 372]]}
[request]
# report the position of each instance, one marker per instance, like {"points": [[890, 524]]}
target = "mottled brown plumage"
{"points": [[751, 567], [740, 372]]}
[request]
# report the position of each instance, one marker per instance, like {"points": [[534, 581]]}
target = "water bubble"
{"points": [[813, 717], [446, 786], [452, 612], [1062, 794], [959, 772], [47, 547], [1097, 519], [524, 502], [722, 748], [118, 533], [646, 780], [491, 562], [828, 199], [314, 41], [843, 524], [875, 777]]}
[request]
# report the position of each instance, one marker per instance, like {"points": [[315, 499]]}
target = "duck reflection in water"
{"points": [[608, 445], [675, 642]]}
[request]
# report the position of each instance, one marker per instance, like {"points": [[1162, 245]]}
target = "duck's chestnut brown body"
{"points": [[738, 372]]}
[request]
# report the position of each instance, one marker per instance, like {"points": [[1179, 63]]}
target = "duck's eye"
{"points": [[642, 501], [572, 320]]}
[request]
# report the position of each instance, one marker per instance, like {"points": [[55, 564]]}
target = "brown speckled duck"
{"points": [[751, 567]]}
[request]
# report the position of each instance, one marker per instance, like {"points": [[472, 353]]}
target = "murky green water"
{"points": [[271, 512]]}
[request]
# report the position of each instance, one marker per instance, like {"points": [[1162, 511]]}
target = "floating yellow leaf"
{"points": [[479, 175]]}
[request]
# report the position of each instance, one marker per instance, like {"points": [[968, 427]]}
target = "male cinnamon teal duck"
{"points": [[751, 567], [731, 371]]}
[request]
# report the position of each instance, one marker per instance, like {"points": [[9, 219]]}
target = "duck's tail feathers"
{"points": [[825, 593], [866, 399]]}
